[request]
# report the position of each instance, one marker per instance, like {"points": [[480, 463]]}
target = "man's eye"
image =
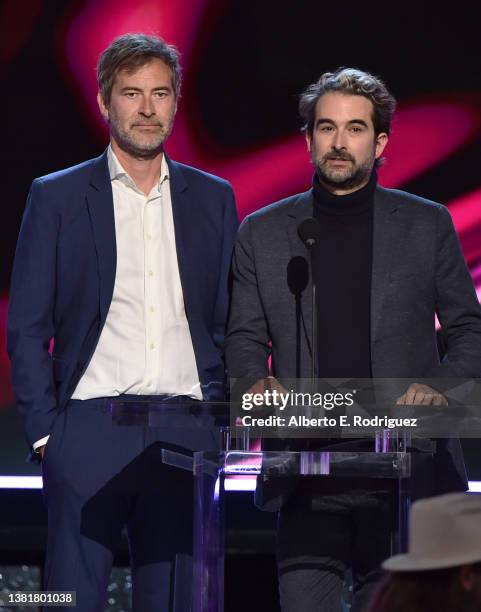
{"points": [[356, 129], [131, 94], [326, 128], [161, 94]]}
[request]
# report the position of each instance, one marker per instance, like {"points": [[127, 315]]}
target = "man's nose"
{"points": [[339, 141], [147, 107]]}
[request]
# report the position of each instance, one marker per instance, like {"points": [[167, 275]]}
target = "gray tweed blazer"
{"points": [[418, 269]]}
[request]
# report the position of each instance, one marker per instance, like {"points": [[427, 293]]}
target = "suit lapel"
{"points": [[184, 228], [302, 209], [101, 210], [383, 239]]}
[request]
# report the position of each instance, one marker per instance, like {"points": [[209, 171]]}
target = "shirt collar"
{"points": [[117, 172]]}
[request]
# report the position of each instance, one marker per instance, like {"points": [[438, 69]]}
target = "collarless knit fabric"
{"points": [[342, 267]]}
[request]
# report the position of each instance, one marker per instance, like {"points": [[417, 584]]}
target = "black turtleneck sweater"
{"points": [[342, 270]]}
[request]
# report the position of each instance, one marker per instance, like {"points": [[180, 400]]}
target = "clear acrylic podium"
{"points": [[389, 461], [211, 470]]}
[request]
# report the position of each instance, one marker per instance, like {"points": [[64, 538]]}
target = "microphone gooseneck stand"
{"points": [[297, 281], [309, 232]]}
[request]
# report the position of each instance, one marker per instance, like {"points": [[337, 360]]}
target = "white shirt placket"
{"points": [[153, 314]]}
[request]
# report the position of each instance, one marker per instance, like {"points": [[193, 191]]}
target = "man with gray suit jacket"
{"points": [[385, 263]]}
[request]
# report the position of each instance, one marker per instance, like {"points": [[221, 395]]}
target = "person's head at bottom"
{"points": [[442, 569]]}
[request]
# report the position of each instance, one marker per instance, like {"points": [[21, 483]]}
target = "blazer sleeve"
{"points": [[31, 315], [247, 341], [457, 305]]}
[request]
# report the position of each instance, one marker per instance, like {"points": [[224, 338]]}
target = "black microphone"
{"points": [[297, 280], [297, 274], [309, 231]]}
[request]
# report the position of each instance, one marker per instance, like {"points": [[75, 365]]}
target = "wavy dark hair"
{"points": [[131, 51], [349, 81]]}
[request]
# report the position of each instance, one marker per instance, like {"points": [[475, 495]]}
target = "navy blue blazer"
{"points": [[64, 272]]}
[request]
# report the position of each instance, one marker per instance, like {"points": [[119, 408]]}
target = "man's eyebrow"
{"points": [[325, 120], [133, 88], [331, 122], [358, 121]]}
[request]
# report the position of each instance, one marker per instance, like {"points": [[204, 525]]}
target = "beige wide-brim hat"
{"points": [[444, 531]]}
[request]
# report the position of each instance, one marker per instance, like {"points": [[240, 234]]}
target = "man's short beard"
{"points": [[137, 149], [355, 178]]}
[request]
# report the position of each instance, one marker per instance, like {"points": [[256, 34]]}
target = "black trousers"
{"points": [[322, 535]]}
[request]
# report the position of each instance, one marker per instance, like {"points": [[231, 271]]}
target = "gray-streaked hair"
{"points": [[350, 81], [131, 51]]}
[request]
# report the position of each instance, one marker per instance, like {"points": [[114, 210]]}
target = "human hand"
{"points": [[421, 395], [268, 384], [268, 389]]}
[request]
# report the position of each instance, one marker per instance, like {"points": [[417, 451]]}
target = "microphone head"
{"points": [[309, 231], [297, 274]]}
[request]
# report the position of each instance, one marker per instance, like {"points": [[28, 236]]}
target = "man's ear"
{"points": [[381, 142], [104, 111], [307, 136]]}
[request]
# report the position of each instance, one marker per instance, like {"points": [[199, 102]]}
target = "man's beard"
{"points": [[349, 177], [137, 145]]}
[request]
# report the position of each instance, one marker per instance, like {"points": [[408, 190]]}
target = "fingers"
{"points": [[411, 394], [444, 401], [425, 399], [421, 395]]}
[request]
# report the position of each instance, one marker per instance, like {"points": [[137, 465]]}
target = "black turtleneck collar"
{"points": [[353, 203]]}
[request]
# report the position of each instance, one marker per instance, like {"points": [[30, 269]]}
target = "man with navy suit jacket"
{"points": [[123, 261]]}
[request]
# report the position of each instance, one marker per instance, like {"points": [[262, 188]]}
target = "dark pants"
{"points": [[100, 477], [320, 537]]}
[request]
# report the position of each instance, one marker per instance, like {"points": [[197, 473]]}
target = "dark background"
{"points": [[245, 64]]}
